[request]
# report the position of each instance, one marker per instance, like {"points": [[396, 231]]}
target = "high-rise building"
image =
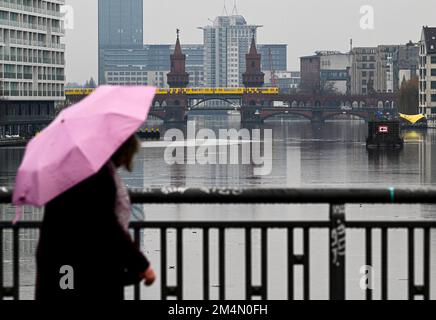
{"points": [[427, 75], [226, 42], [120, 26], [32, 64]]}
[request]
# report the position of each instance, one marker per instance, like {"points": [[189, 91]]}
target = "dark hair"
{"points": [[123, 157]]}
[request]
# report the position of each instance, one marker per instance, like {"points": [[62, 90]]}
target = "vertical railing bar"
{"points": [[291, 263], [2, 285], [206, 278], [163, 263], [179, 263], [426, 264], [368, 236], [16, 264], [306, 245], [384, 264], [248, 279], [222, 264], [137, 290], [411, 268], [337, 251], [264, 274]]}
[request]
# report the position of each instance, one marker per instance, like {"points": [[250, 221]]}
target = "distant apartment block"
{"points": [[427, 75], [149, 65], [32, 64], [310, 70], [382, 68], [363, 70], [274, 57], [334, 69], [288, 81]]}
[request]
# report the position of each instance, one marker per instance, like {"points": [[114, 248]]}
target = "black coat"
{"points": [[80, 229]]}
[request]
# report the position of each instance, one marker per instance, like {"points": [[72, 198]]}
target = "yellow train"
{"points": [[210, 91], [78, 91], [188, 91]]}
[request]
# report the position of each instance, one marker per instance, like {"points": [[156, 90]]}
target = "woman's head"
{"points": [[123, 157]]}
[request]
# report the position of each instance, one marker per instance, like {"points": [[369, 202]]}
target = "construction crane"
{"points": [[272, 70]]}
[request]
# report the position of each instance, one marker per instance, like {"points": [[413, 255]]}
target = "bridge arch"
{"points": [[380, 104], [287, 112], [333, 115], [388, 104], [214, 99], [155, 115]]}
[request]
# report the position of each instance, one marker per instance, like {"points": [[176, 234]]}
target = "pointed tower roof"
{"points": [[253, 49], [178, 48]]}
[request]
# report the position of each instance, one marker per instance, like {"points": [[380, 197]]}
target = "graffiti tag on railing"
{"points": [[338, 242]]}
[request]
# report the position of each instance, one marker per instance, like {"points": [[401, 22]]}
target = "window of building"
{"points": [[433, 98], [433, 84], [433, 72], [433, 59]]}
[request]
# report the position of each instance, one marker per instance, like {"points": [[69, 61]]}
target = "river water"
{"points": [[332, 154]]}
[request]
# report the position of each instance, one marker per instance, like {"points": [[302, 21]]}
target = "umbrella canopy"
{"points": [[79, 142]]}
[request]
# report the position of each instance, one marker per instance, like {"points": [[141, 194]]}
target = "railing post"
{"points": [[337, 251]]}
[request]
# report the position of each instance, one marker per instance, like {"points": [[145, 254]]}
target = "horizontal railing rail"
{"points": [[271, 195], [336, 225]]}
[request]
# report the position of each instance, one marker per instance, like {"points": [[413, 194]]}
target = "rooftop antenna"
{"points": [[235, 8], [225, 12], [178, 33], [351, 45]]}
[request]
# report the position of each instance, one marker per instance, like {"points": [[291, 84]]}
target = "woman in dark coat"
{"points": [[81, 232]]}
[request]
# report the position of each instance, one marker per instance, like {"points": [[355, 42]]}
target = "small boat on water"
{"points": [[384, 134]]}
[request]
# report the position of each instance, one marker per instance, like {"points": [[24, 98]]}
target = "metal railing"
{"points": [[336, 225]]}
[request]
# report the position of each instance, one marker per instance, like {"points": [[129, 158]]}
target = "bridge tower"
{"points": [[253, 76], [177, 104], [178, 77]]}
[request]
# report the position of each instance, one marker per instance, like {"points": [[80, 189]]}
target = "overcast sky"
{"points": [[305, 25]]}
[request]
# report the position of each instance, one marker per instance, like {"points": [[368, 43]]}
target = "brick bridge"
{"points": [[259, 107]]}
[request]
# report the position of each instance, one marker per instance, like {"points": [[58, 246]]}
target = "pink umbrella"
{"points": [[79, 142]]}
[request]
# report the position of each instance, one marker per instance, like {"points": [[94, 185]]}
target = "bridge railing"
{"points": [[337, 226]]}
